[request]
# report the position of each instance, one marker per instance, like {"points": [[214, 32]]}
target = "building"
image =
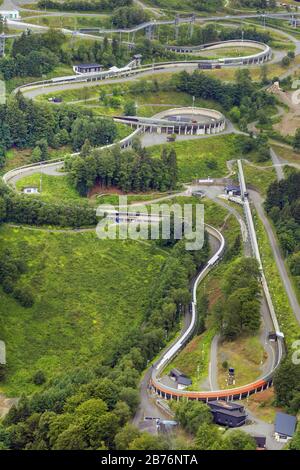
{"points": [[260, 442], [232, 190], [285, 426], [227, 413], [166, 426], [180, 378], [31, 190], [87, 68]]}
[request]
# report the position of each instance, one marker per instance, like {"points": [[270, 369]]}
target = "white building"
{"points": [[30, 190]]}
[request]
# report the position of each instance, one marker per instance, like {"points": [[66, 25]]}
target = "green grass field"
{"points": [[89, 294], [245, 356], [201, 158], [259, 178], [54, 188]]}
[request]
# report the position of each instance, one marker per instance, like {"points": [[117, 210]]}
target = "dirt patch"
{"points": [[289, 123], [261, 405], [99, 189], [290, 120]]}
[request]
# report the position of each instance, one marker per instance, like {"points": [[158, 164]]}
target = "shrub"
{"points": [[39, 378]]}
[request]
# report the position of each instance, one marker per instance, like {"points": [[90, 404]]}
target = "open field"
{"points": [[245, 355], [55, 189], [287, 153], [259, 178], [70, 22], [229, 52], [261, 405], [201, 158], [89, 295]]}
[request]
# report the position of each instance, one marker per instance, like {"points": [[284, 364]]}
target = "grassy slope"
{"points": [[201, 158], [259, 178], [245, 356], [54, 188], [84, 305], [284, 312]]}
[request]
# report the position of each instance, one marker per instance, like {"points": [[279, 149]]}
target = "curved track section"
{"points": [[161, 389], [264, 54], [129, 70], [227, 394]]}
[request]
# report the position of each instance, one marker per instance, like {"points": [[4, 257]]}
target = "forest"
{"points": [[283, 206], [30, 124], [91, 407], [136, 170], [83, 5], [242, 99]]}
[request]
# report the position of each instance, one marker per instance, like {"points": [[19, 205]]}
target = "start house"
{"points": [[87, 68]]}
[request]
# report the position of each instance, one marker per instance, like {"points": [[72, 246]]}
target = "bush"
{"points": [[24, 296], [39, 378]]}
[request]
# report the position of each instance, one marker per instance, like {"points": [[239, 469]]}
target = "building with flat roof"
{"points": [[87, 68], [285, 426], [228, 413]]}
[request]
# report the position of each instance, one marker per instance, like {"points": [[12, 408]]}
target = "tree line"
{"points": [[27, 124], [127, 16], [83, 5], [34, 55], [20, 209], [133, 170], [283, 206], [238, 312], [243, 95]]}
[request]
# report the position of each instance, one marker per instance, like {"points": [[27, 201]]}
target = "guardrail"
{"points": [[236, 393], [107, 75], [123, 143]]}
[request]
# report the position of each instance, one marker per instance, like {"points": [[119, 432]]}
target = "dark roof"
{"points": [[85, 66], [260, 441], [233, 413], [176, 372], [225, 405], [183, 380], [232, 187], [285, 424]]}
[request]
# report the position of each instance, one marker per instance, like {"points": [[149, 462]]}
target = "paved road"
{"points": [[212, 192], [277, 164], [258, 204]]}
